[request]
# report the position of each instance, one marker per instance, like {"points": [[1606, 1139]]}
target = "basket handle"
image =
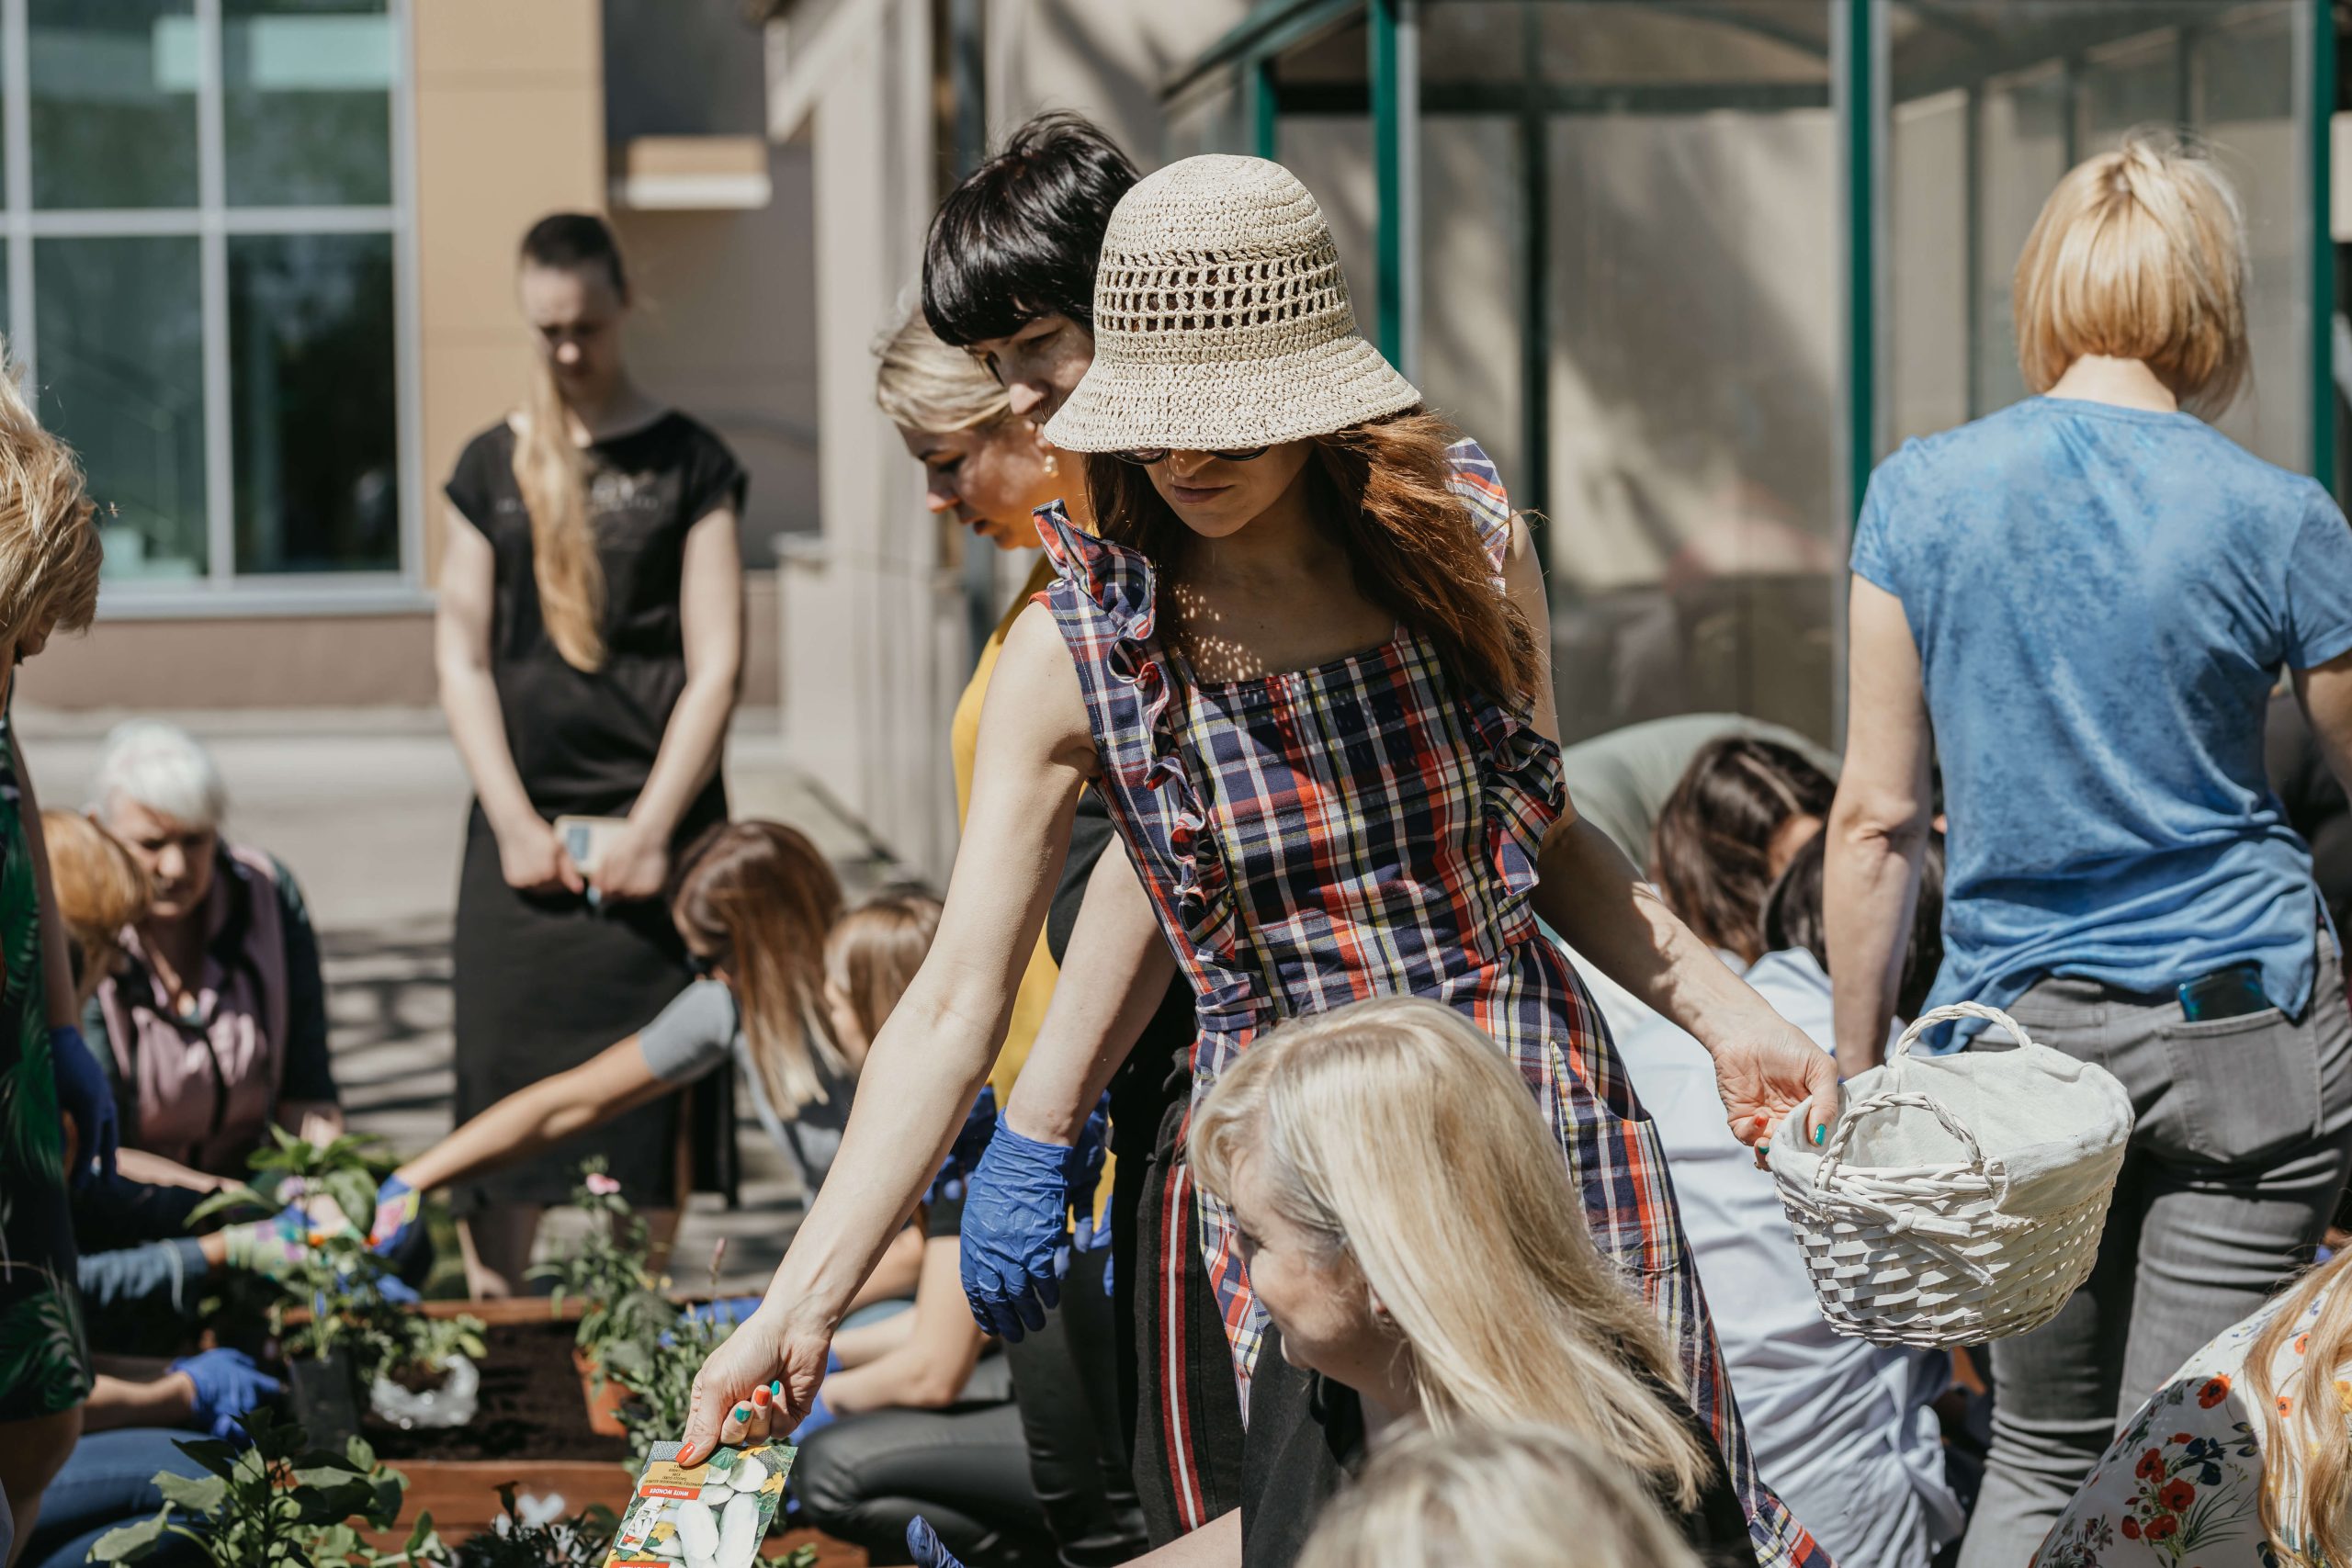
{"points": [[1934, 1016], [1935, 1235]]}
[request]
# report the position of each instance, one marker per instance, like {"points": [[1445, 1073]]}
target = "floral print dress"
{"points": [[2181, 1485], [44, 1359]]}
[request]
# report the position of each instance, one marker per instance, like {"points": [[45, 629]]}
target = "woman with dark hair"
{"points": [[1740, 813], [589, 635], [1305, 665], [1008, 278]]}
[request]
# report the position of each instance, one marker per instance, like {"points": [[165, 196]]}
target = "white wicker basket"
{"points": [[1957, 1199]]}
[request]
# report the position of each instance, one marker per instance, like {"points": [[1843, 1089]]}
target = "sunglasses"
{"points": [[1145, 456]]}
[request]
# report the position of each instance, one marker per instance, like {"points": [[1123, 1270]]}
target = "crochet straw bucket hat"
{"points": [[1222, 320]]}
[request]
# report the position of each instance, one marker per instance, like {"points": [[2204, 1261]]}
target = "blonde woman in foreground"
{"points": [[1497, 1497], [1408, 1227], [2242, 1458]]}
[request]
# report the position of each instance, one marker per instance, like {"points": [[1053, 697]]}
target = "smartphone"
{"points": [[584, 838], [2225, 993]]}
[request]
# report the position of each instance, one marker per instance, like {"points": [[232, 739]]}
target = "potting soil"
{"points": [[530, 1407]]}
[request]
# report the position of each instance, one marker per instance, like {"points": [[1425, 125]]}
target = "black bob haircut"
{"points": [[1020, 237]]}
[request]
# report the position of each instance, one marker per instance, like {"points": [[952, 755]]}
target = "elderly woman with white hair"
{"points": [[214, 1020]]}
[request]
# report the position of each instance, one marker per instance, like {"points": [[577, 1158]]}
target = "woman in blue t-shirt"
{"points": [[2081, 604]]}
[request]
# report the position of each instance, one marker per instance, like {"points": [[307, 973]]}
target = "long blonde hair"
{"points": [[50, 552], [1394, 1128], [1515, 1497], [2306, 1449], [2140, 254], [873, 953], [100, 890], [762, 898], [920, 383], [549, 471]]}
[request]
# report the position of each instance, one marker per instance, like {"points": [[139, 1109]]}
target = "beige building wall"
{"points": [[510, 124]]}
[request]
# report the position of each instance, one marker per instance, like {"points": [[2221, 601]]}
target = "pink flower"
{"points": [[603, 1186]]}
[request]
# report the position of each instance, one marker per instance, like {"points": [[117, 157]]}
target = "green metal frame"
{"points": [[1388, 159], [1856, 98]]}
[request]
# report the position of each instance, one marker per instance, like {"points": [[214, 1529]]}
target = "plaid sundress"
{"points": [[1360, 828]]}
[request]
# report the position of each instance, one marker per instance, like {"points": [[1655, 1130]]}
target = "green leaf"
{"points": [[196, 1494], [130, 1543], [234, 1195], [216, 1457]]}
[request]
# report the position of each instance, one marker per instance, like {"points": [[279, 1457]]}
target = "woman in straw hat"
{"points": [[1305, 663]]}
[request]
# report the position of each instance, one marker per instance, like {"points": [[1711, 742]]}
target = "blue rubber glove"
{"points": [[227, 1385], [1017, 1232], [964, 1153], [83, 1094], [926, 1547], [397, 1290], [400, 1209], [1087, 1159]]}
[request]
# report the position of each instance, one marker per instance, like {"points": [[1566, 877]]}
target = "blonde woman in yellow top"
{"points": [[989, 468]]}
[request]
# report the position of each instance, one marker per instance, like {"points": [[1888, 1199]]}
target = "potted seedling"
{"points": [[330, 1317], [513, 1541], [609, 1271], [277, 1504], [430, 1373]]}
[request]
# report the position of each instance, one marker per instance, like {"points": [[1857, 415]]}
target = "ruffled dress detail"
{"points": [[1366, 828]]}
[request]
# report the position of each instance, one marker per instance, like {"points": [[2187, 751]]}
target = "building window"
{"points": [[207, 279]]}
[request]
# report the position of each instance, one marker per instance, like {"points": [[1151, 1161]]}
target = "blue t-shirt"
{"points": [[2102, 599]]}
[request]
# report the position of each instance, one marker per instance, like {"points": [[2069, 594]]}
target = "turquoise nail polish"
{"points": [[776, 1388], [742, 1412], [1821, 1133]]}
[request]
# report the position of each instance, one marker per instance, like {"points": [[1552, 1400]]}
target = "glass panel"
{"points": [[1650, 193], [306, 106], [121, 330], [114, 103], [311, 380], [1324, 136], [1994, 100]]}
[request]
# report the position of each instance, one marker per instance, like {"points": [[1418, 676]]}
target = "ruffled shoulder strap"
{"points": [[1479, 483], [1111, 581]]}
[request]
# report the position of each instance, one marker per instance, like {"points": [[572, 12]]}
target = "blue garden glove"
{"points": [[1089, 1159], [964, 1153], [83, 1094], [1017, 1232], [397, 1290], [227, 1385], [926, 1547], [400, 1209]]}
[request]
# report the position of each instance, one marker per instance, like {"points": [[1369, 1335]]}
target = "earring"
{"points": [[1052, 462]]}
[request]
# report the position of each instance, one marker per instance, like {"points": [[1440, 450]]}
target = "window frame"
{"points": [[221, 590]]}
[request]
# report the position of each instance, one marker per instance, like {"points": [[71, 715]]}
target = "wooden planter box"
{"points": [[562, 1460]]}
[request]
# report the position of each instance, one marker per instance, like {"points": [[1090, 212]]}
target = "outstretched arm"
{"points": [[1878, 826], [932, 1054], [1114, 973]]}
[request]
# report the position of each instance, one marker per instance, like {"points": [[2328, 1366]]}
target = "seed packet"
{"points": [[712, 1515]]}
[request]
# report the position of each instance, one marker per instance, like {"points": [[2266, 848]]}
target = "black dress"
{"points": [[544, 981]]}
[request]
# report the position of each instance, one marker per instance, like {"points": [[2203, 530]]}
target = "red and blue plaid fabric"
{"points": [[1366, 828]]}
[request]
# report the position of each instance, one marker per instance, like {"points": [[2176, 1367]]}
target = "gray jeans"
{"points": [[2242, 1143]]}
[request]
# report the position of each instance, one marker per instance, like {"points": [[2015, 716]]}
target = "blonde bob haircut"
{"points": [[924, 384], [1394, 1129], [2140, 254], [1517, 1496], [49, 549]]}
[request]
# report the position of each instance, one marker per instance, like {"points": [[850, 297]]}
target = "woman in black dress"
{"points": [[589, 642]]}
